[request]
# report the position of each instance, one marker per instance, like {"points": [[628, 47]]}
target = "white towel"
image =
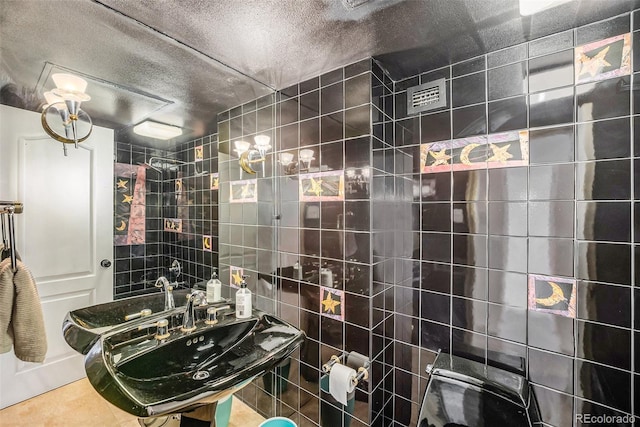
{"points": [[21, 319]]}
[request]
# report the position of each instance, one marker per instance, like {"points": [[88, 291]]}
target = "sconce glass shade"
{"points": [[70, 87], [69, 82], [241, 147], [262, 143], [306, 155], [286, 159], [157, 130]]}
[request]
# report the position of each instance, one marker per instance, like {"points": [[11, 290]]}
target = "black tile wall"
{"points": [[330, 115], [136, 267], [567, 213], [196, 204], [437, 261]]}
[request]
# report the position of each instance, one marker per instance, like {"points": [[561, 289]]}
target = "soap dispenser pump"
{"points": [[214, 288], [243, 301]]}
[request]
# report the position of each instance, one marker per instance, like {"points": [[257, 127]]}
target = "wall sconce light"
{"points": [[250, 156], [62, 118], [290, 167]]}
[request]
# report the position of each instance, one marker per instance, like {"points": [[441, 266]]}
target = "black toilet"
{"points": [[462, 392]]}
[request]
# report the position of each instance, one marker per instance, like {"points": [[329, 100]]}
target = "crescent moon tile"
{"points": [[555, 295]]}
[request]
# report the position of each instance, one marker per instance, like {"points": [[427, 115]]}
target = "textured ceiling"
{"points": [[183, 62]]}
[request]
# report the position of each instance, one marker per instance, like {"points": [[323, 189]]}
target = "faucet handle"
{"points": [[142, 313], [212, 314], [162, 328], [162, 331]]}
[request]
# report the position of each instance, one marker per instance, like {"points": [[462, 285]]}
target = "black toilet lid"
{"points": [[452, 403]]}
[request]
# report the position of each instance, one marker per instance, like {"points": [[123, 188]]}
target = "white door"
{"points": [[63, 234]]}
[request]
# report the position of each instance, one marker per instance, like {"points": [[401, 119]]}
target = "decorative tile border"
{"points": [[603, 59], [508, 149], [500, 150], [325, 186], [556, 295]]}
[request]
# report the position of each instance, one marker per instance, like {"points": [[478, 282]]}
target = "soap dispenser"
{"points": [[214, 288], [243, 300], [297, 271]]}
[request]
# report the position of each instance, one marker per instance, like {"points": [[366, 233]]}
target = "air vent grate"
{"points": [[426, 97]]}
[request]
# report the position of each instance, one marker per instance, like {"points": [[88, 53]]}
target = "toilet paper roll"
{"points": [[340, 384]]}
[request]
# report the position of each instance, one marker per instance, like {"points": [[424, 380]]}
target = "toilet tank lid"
{"points": [[512, 385]]}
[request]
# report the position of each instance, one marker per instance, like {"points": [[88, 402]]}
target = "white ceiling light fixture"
{"points": [[157, 130], [531, 7]]}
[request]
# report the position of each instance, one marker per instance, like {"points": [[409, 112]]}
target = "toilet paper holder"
{"points": [[362, 371]]}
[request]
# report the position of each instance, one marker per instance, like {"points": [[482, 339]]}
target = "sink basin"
{"points": [[83, 327], [149, 377]]}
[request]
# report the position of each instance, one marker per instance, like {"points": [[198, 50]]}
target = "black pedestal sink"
{"points": [[149, 377]]}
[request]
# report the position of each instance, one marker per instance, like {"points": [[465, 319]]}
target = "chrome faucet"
{"points": [[195, 299], [162, 282]]}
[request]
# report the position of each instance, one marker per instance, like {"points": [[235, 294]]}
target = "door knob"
{"points": [[105, 263]]}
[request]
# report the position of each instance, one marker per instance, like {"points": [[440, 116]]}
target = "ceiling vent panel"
{"points": [[427, 96], [112, 105]]}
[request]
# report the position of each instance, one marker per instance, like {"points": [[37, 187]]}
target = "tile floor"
{"points": [[78, 405]]}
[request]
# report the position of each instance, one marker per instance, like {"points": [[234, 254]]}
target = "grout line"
{"points": [[528, 201], [576, 255], [449, 80], [633, 225], [486, 219]]}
